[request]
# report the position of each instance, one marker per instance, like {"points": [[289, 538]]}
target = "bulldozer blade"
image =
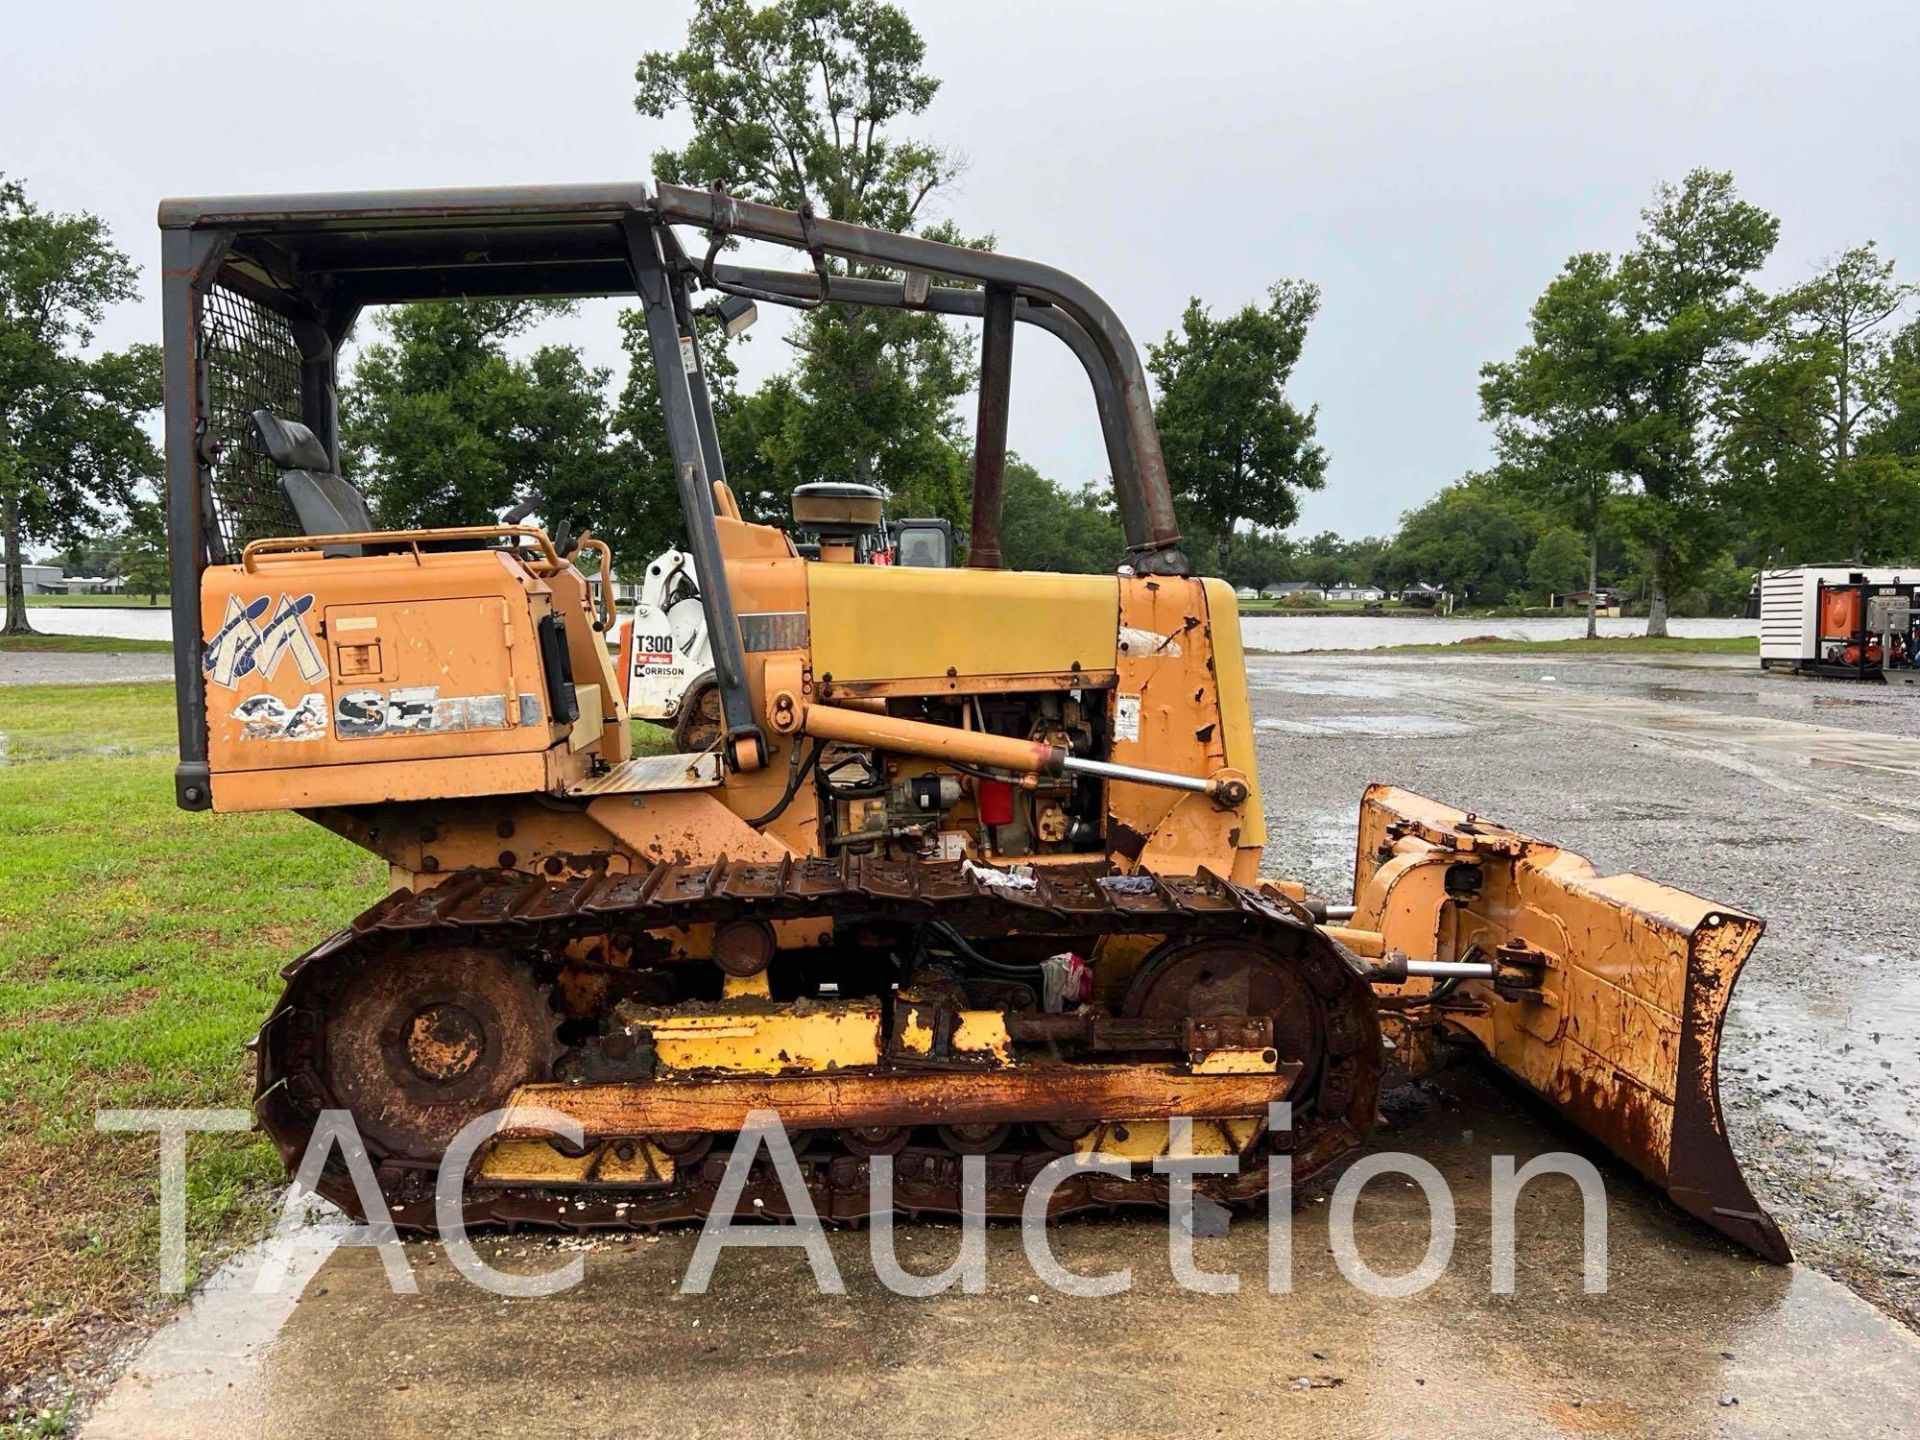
{"points": [[1610, 997]]}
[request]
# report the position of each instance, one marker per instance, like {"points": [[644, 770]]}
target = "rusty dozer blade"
{"points": [[1610, 994]]}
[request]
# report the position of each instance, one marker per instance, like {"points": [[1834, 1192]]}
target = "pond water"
{"points": [[1290, 634], [1282, 633], [131, 624]]}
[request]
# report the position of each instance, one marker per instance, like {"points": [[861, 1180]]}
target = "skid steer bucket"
{"points": [[1609, 996]]}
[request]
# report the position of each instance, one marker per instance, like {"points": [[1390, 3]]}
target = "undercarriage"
{"points": [[501, 992]]}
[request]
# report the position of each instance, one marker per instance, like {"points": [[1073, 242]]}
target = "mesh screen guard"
{"points": [[252, 362]]}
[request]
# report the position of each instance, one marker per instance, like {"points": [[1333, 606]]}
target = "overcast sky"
{"points": [[1428, 166]]}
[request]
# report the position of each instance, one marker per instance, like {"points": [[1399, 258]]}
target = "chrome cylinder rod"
{"points": [[1449, 970], [1107, 770]]}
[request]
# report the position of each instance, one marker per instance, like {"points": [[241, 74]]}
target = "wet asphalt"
{"points": [[1796, 800], [1690, 1337]]}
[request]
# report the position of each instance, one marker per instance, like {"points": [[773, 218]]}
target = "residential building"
{"points": [[1346, 590]]}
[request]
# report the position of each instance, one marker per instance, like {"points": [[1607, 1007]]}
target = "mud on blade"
{"points": [[1609, 996]]}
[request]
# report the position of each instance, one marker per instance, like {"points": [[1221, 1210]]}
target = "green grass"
{"points": [[81, 645], [139, 946], [54, 1422], [63, 722], [139, 950], [1604, 645]]}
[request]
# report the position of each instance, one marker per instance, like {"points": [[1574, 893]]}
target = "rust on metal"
{"points": [[1053, 1093], [1610, 996], [1333, 1081]]}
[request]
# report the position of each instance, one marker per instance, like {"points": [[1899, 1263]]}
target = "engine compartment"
{"points": [[878, 802]]}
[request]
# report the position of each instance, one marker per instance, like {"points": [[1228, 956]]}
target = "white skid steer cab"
{"points": [[664, 648]]}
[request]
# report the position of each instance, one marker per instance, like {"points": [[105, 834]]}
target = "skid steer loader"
{"points": [[972, 866]]}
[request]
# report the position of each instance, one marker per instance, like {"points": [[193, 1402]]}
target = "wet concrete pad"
{"points": [[1692, 1338]]}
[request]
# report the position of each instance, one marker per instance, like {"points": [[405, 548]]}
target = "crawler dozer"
{"points": [[971, 867]]}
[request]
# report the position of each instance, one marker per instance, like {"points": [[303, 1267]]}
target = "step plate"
{"points": [[654, 773]]}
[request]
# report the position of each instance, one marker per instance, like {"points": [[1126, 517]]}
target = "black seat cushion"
{"points": [[323, 503]]}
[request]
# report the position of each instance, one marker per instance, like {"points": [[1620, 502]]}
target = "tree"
{"points": [[1626, 364], [1046, 526], [1234, 443], [798, 103], [144, 556], [1557, 562], [71, 442], [442, 427], [1797, 421], [1260, 557], [1552, 408], [1897, 434], [638, 510], [1465, 541]]}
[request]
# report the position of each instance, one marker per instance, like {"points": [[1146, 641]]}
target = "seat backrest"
{"points": [[323, 502], [326, 504]]}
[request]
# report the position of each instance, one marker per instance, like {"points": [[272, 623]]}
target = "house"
{"points": [[1246, 592], [1292, 590], [1605, 597], [91, 585], [1422, 595], [42, 579], [1346, 590]]}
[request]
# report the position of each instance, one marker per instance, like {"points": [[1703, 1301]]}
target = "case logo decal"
{"points": [[268, 717]]}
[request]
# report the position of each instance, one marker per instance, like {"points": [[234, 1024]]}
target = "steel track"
{"points": [[533, 919]]}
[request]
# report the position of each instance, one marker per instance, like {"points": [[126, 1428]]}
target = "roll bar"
{"points": [[275, 283], [1157, 544], [952, 300]]}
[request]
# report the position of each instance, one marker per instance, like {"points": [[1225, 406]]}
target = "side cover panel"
{"points": [[329, 672], [881, 622]]}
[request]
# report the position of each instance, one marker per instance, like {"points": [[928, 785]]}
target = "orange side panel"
{"points": [[368, 663], [377, 783]]}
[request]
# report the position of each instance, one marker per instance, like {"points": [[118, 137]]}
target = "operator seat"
{"points": [[323, 502]]}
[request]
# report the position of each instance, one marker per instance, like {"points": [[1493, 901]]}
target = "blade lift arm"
{"points": [[790, 714]]}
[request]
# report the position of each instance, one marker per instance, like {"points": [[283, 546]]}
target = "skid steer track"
{"points": [[530, 921]]}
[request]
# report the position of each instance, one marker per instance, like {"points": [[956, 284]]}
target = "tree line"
{"points": [[1667, 428], [802, 101]]}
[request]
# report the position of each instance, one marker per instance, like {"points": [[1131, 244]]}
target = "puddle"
{"points": [[1344, 689], [1793, 740], [1863, 1024], [1281, 634], [1681, 692], [1386, 726]]}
